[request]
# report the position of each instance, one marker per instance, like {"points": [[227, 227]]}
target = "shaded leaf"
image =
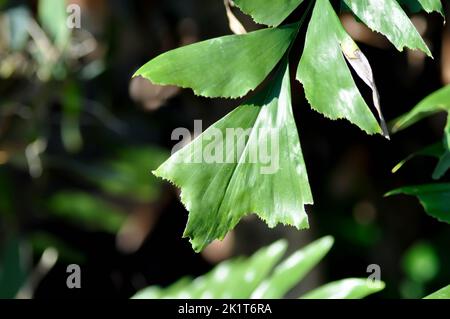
{"points": [[435, 198], [293, 270], [271, 13], [443, 293], [127, 174], [86, 210], [436, 150], [218, 192], [352, 288], [335, 93], [436, 102], [248, 58], [388, 18]]}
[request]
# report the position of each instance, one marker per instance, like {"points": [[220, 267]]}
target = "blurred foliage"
{"points": [[46, 115], [259, 276], [13, 268], [85, 209]]}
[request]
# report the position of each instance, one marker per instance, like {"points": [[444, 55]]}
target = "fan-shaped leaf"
{"points": [[239, 180], [228, 66]]}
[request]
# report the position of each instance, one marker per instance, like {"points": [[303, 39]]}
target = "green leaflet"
{"points": [[323, 71], [219, 192], [388, 18], [436, 102], [436, 150], [434, 198], [293, 270], [351, 288], [239, 277], [235, 278], [443, 293], [271, 12], [228, 66]]}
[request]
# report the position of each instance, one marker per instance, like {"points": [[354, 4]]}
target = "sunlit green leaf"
{"points": [[323, 71], [388, 18], [352, 288], [443, 293], [268, 12], [220, 189], [435, 198], [293, 270], [228, 66], [235, 278], [239, 277]]}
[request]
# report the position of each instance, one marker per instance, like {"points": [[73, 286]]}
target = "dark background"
{"points": [[349, 171]]}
